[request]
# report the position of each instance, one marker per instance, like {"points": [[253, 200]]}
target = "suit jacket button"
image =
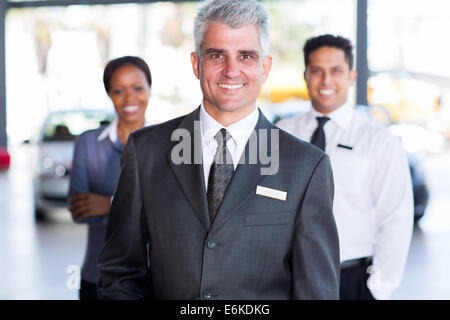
{"points": [[206, 294], [211, 244]]}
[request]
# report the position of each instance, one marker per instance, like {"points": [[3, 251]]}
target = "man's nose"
{"points": [[231, 68], [326, 79]]}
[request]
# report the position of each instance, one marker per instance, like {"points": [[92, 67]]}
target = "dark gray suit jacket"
{"points": [[161, 244]]}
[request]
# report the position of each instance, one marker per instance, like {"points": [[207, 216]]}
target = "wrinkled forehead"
{"points": [[224, 37]]}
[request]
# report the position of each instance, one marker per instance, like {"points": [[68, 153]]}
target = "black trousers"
{"points": [[88, 290], [354, 281]]}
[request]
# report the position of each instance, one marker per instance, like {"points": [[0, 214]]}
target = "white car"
{"points": [[54, 155]]}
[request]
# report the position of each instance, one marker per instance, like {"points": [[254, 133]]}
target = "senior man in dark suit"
{"points": [[220, 204]]}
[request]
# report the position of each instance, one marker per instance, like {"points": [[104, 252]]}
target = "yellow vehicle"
{"points": [[406, 99], [281, 93]]}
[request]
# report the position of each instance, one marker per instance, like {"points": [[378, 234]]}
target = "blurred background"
{"points": [[54, 60]]}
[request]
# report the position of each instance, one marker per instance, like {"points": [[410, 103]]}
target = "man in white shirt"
{"points": [[373, 202], [222, 229]]}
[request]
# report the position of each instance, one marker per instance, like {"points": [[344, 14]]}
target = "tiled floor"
{"points": [[426, 275], [34, 258], [39, 261]]}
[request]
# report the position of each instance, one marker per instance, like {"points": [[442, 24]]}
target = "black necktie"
{"points": [[220, 173], [318, 137]]}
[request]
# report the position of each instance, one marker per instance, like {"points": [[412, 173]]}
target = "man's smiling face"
{"points": [[328, 78], [231, 71]]}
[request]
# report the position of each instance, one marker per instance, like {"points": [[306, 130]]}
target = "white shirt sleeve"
{"points": [[393, 196]]}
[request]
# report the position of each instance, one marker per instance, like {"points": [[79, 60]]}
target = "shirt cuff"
{"points": [[379, 288]]}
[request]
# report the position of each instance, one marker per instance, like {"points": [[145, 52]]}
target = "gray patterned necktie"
{"points": [[220, 173]]}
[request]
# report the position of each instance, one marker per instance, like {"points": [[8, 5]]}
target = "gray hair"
{"points": [[235, 14]]}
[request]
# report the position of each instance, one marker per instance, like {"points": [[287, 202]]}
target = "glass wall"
{"points": [[56, 55], [410, 76], [410, 80]]}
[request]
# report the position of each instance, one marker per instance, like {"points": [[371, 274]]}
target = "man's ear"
{"points": [[195, 64], [267, 65], [353, 75]]}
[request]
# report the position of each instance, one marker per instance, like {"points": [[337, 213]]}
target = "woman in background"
{"points": [[96, 162]]}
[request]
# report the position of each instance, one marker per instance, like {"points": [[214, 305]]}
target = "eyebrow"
{"points": [[214, 50], [249, 52], [320, 67], [244, 52]]}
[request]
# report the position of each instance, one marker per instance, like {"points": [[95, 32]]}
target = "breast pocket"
{"points": [[351, 172], [267, 219]]}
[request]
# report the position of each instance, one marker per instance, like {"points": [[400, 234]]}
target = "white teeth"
{"points": [[230, 86], [327, 92], [130, 108]]}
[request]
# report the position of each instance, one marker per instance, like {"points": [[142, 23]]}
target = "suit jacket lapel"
{"points": [[190, 176], [245, 179]]}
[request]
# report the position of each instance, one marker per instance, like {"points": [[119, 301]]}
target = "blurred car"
{"points": [[274, 112], [281, 93], [420, 188], [287, 109], [54, 153], [405, 98], [5, 159]]}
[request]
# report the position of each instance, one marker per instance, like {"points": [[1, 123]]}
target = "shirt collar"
{"points": [[111, 131], [342, 116], [240, 131]]}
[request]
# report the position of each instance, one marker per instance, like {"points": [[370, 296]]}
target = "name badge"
{"points": [[344, 146], [271, 193]]}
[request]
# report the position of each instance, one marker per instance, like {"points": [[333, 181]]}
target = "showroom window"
{"points": [[55, 55], [410, 77]]}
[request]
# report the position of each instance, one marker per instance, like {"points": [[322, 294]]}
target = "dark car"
{"points": [[420, 188]]}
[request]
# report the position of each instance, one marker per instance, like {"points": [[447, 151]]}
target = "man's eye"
{"points": [[138, 88], [246, 57], [216, 56], [117, 92]]}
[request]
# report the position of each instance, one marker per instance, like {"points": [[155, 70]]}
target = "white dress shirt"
{"points": [[110, 131], [240, 132], [373, 201]]}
